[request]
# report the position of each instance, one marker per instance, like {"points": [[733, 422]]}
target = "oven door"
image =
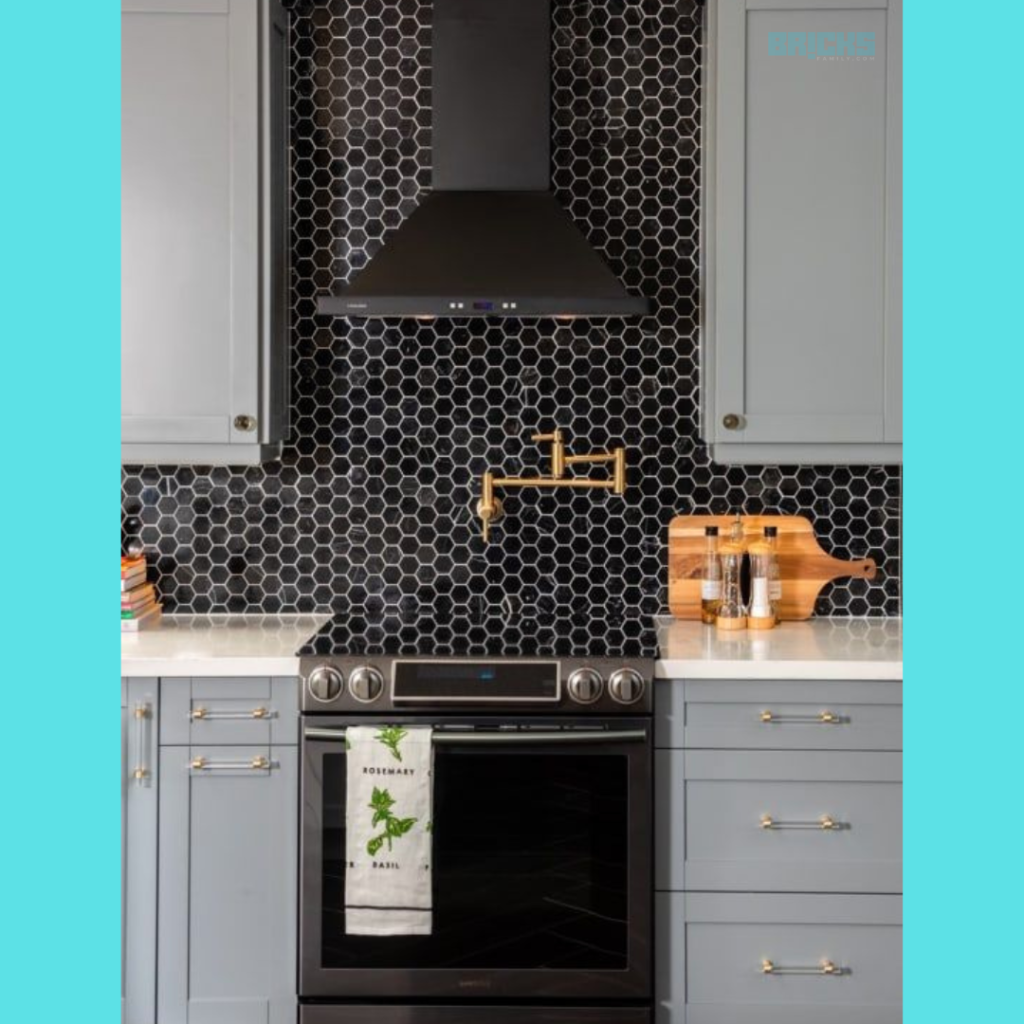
{"points": [[541, 866]]}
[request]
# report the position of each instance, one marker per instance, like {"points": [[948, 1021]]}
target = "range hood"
{"points": [[489, 239]]}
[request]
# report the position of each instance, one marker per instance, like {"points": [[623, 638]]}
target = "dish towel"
{"points": [[389, 801]]}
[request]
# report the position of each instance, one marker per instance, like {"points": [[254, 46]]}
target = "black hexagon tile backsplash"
{"points": [[394, 420]]}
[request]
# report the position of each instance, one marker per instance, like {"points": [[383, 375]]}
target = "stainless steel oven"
{"points": [[541, 865]]}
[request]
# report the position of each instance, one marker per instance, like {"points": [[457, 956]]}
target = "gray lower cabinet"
{"points": [[778, 851], [228, 879], [253, 710], [771, 821], [210, 850], [760, 958], [777, 714], [801, 224], [204, 231], [139, 782]]}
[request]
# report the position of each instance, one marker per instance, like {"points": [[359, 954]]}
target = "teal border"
{"points": [[59, 387], [964, 220], [59, 325]]}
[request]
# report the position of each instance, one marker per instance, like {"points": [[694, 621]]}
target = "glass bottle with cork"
{"points": [[711, 578], [771, 536], [732, 612]]}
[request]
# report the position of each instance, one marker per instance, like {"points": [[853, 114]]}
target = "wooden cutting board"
{"points": [[803, 565]]}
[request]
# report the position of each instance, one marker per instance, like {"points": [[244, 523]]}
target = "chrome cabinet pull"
{"points": [[441, 739], [142, 728], [206, 715], [822, 718], [825, 969], [826, 823], [259, 763]]}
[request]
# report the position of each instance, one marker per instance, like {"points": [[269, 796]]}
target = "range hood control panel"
{"points": [[483, 306]]}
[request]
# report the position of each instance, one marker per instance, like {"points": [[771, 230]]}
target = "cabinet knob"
{"points": [[731, 421], [246, 423]]}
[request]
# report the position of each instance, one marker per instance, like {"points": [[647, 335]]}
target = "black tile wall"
{"points": [[394, 421]]}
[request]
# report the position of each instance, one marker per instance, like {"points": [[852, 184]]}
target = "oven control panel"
{"points": [[401, 683]]}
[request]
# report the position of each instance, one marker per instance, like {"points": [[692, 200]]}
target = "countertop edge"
{"points": [[143, 668], [222, 646], [685, 668]]}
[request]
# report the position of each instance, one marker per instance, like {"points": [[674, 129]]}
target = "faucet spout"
{"points": [[489, 508]]}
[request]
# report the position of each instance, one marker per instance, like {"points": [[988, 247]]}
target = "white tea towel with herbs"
{"points": [[389, 801]]}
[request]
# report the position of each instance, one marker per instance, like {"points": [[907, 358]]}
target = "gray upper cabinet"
{"points": [[802, 251], [204, 231]]}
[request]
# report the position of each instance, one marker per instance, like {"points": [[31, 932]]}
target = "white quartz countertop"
{"points": [[218, 645], [837, 648], [247, 645]]}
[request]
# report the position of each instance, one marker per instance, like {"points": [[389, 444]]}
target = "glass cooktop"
{"points": [[527, 637]]}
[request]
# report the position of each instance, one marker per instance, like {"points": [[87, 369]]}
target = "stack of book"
{"points": [[139, 606]]}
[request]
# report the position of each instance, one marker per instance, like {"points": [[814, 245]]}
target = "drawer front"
{"points": [[780, 715], [779, 822], [768, 959], [244, 710]]}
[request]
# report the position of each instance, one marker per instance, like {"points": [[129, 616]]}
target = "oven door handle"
{"points": [[446, 739]]}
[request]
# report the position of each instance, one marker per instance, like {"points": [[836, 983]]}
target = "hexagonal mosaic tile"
{"points": [[394, 421]]}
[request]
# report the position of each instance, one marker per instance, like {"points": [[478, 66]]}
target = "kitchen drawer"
{"points": [[711, 950], [243, 710], [771, 714], [778, 821]]}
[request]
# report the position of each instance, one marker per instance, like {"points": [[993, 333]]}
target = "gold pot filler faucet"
{"points": [[489, 508]]}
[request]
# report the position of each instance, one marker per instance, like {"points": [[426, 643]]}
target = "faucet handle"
{"points": [[555, 436], [557, 452]]}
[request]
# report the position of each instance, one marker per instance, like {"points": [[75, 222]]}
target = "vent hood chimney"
{"points": [[489, 239]]}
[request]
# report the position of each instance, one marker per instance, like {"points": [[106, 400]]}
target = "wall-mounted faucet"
{"points": [[489, 508]]}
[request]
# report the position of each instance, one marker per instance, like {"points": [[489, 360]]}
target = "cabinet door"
{"points": [[775, 821], [228, 886], [204, 206], [712, 948], [140, 774], [777, 714], [802, 225]]}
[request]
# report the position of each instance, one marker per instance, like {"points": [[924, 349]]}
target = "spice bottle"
{"points": [[732, 613], [762, 612], [711, 578], [771, 536], [736, 531]]}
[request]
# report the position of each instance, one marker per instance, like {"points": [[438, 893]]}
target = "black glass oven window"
{"points": [[529, 865]]}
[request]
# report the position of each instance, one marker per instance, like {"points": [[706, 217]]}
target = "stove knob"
{"points": [[365, 684], [585, 685], [325, 684], [626, 686]]}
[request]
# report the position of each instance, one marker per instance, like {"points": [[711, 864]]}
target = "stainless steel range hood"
{"points": [[489, 239]]}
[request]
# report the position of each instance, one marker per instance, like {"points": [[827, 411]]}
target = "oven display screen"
{"points": [[471, 681]]}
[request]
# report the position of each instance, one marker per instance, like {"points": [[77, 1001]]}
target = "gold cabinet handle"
{"points": [[825, 969], [826, 823], [206, 715], [822, 718], [258, 763], [142, 726]]}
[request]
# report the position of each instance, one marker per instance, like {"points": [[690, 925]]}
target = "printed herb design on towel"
{"points": [[391, 736], [381, 803]]}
